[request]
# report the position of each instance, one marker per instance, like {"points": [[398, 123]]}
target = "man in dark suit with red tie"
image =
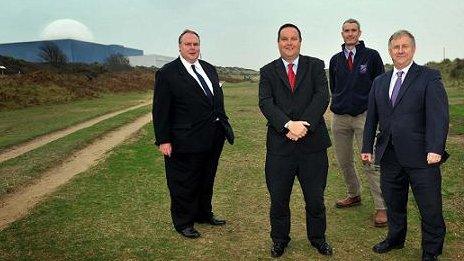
{"points": [[410, 106], [293, 96], [190, 128]]}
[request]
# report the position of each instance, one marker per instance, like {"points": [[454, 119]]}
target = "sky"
{"points": [[244, 33]]}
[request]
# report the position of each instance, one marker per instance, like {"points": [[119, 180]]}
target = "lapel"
{"points": [[303, 68], [342, 62], [192, 83], [358, 59], [412, 74], [210, 75], [386, 88], [282, 72]]}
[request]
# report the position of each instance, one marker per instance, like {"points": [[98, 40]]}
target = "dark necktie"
{"points": [[396, 88], [203, 84], [291, 76], [349, 61]]}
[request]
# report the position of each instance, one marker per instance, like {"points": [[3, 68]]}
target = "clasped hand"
{"points": [[297, 129]]}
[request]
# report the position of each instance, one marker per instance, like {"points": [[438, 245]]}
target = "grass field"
{"points": [[23, 169], [17, 126], [119, 210], [456, 101]]}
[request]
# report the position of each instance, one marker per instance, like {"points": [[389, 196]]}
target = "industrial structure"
{"points": [[76, 51], [150, 60]]}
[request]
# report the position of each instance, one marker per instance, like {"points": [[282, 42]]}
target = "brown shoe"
{"points": [[380, 218], [348, 202]]}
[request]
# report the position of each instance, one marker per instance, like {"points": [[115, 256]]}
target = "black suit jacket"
{"points": [[308, 103], [182, 114], [416, 125]]}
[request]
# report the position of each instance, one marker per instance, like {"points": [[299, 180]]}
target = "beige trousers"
{"points": [[346, 128]]}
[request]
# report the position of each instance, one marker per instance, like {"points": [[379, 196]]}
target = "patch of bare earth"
{"points": [[18, 150], [459, 139], [17, 205]]}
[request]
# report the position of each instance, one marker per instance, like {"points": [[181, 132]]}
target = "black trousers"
{"points": [[190, 178], [311, 171], [426, 187]]}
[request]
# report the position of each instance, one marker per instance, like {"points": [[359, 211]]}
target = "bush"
{"points": [[457, 72], [117, 62]]}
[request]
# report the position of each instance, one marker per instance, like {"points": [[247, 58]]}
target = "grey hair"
{"points": [[352, 21], [401, 33]]}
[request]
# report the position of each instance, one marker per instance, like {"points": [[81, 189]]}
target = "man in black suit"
{"points": [[293, 96], [410, 106], [190, 128]]}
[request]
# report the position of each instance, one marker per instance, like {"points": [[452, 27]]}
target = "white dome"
{"points": [[66, 29]]}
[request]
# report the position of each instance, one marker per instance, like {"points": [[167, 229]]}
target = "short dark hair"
{"points": [[285, 26], [400, 33], [352, 21], [188, 31]]}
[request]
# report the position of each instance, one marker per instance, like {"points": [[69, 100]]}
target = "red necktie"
{"points": [[350, 61], [291, 76]]}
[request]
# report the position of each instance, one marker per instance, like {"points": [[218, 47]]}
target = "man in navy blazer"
{"points": [[293, 96], [410, 106], [190, 128], [351, 73]]}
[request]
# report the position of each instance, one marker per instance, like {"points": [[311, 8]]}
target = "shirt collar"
{"points": [[347, 51], [295, 62], [187, 64], [404, 70]]}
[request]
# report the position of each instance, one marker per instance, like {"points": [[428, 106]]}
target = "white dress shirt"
{"points": [[295, 64], [394, 77], [199, 70], [295, 67]]}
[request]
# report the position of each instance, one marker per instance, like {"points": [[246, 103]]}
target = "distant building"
{"points": [[150, 60], [75, 50]]}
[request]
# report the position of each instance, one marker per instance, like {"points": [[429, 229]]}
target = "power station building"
{"points": [[150, 60], [76, 51]]}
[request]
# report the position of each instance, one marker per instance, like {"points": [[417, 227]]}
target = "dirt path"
{"points": [[18, 150], [459, 139], [17, 205]]}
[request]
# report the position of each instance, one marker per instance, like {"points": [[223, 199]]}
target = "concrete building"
{"points": [[76, 51], [150, 60]]}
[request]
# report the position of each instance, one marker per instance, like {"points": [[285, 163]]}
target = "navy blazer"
{"points": [[308, 103], [416, 125], [182, 114]]}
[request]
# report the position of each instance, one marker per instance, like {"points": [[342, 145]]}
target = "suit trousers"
{"points": [[190, 178], [311, 171], [345, 129], [426, 187]]}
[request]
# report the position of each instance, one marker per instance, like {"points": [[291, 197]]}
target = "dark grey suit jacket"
{"points": [[308, 103], [416, 125]]}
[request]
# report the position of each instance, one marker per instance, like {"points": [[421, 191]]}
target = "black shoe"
{"points": [[212, 221], [324, 248], [190, 232], [428, 257], [278, 249], [385, 246]]}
